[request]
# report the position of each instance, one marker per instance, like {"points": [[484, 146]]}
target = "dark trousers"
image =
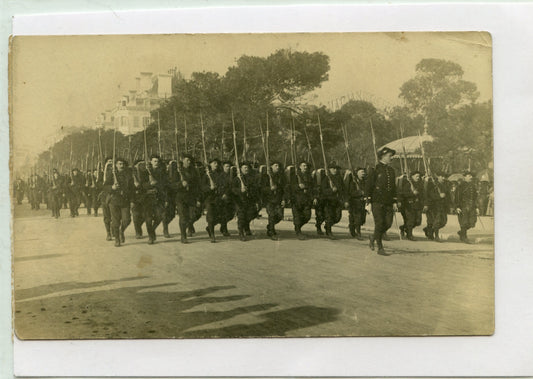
{"points": [[332, 212], [95, 201], [154, 212], [383, 216], [301, 214], [437, 218], [107, 216], [412, 217], [320, 213], [356, 214], [74, 203], [169, 213], [187, 214], [137, 214], [120, 219], [88, 200], [246, 212], [55, 204], [467, 218], [275, 215]]}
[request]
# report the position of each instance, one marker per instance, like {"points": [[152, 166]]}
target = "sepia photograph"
{"points": [[252, 185]]}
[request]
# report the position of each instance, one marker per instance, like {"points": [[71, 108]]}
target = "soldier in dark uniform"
{"points": [[437, 204], [104, 197], [34, 194], [466, 205], [75, 187], [331, 194], [137, 201], [273, 190], [87, 194], [354, 185], [119, 185], [95, 188], [188, 195], [302, 196], [381, 193], [18, 190], [154, 185], [216, 189], [199, 209], [57, 187], [170, 205], [228, 206], [411, 200], [247, 192]]}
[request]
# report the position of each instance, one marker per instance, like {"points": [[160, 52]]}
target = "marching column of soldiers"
{"points": [[153, 192]]}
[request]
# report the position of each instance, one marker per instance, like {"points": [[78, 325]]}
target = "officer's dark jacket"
{"points": [[302, 195], [381, 185], [432, 191], [326, 188], [121, 196], [466, 196], [76, 182], [276, 196], [406, 195], [252, 193], [354, 187]]}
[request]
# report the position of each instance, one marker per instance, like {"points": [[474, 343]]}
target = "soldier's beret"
{"points": [[245, 163], [120, 159], [386, 150], [227, 162], [215, 160], [275, 162], [469, 173], [333, 164], [75, 169], [360, 169], [302, 162], [416, 172], [155, 156], [183, 156]]}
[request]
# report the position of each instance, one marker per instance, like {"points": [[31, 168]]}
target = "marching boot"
{"points": [[371, 242], [352, 230], [402, 231], [211, 232], [436, 235], [247, 230], [271, 233], [191, 230], [109, 236], [385, 237], [329, 234], [183, 234], [165, 231], [117, 238], [319, 230], [358, 235], [96, 213], [241, 235], [299, 234], [465, 237], [224, 230], [89, 211], [381, 250], [426, 232], [410, 234], [122, 237]]}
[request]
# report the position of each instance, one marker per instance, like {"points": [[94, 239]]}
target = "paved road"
{"points": [[70, 283]]}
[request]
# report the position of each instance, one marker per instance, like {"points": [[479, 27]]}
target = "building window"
{"points": [[136, 122]]}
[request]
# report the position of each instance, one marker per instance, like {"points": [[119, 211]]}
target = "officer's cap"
{"points": [[215, 160], [333, 164], [386, 150]]}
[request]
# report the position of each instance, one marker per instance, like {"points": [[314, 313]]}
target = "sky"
{"points": [[70, 80]]}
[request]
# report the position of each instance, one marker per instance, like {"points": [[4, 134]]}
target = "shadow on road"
{"points": [[48, 289], [130, 312], [278, 323], [36, 257]]}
